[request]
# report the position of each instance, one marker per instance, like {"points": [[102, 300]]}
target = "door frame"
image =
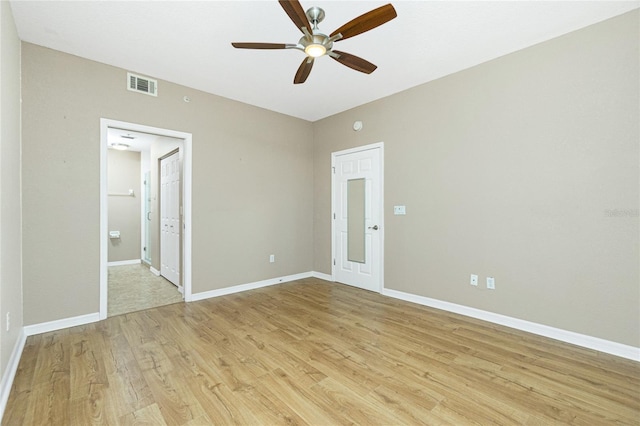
{"points": [[105, 124], [378, 145]]}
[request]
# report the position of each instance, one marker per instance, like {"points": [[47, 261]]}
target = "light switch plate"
{"points": [[399, 210]]}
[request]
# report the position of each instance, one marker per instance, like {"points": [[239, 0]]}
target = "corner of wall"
{"points": [[12, 336]]}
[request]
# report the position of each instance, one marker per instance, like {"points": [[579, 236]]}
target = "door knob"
{"points": [[374, 227]]}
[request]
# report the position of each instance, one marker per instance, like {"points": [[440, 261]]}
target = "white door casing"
{"points": [[187, 139], [358, 163], [170, 218]]}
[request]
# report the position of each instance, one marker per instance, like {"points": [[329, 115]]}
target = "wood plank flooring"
{"points": [[312, 352]]}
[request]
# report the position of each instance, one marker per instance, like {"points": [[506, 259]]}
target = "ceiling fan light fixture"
{"points": [[315, 50]]}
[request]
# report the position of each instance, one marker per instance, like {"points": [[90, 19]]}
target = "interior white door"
{"points": [[364, 168], [170, 218]]}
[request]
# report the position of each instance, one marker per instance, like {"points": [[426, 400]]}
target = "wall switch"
{"points": [[491, 283], [272, 258], [8, 320], [399, 210], [474, 280]]}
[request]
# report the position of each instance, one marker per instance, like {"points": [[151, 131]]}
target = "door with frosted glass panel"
{"points": [[357, 216]]}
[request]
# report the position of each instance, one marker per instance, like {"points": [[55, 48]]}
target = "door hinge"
{"points": [[334, 262], [334, 170], [334, 216]]}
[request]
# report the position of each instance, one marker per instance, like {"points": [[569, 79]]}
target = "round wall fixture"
{"points": [[357, 126]]}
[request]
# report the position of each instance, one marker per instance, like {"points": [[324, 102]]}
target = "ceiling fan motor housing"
{"points": [[315, 15], [316, 38]]}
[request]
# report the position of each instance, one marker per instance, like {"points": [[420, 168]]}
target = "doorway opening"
{"points": [[130, 251]]}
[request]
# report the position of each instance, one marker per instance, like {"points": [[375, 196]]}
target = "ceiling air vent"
{"points": [[138, 83]]}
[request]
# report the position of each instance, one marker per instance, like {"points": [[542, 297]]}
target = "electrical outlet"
{"points": [[8, 320], [272, 258], [474, 280], [491, 283]]}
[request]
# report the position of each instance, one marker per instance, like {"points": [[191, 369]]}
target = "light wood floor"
{"points": [[134, 288], [312, 352]]}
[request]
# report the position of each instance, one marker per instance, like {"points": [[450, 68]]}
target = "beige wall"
{"points": [[10, 210], [514, 169], [124, 211], [252, 179]]}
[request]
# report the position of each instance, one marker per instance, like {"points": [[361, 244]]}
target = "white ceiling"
{"points": [[189, 43]]}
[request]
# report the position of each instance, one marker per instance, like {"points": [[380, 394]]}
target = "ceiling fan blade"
{"points": [[366, 22], [259, 45], [294, 9], [303, 70], [354, 62]]}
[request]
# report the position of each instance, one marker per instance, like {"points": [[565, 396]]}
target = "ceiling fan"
{"points": [[316, 44]]}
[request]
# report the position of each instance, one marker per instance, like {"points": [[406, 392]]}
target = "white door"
{"points": [[170, 218], [358, 217]]}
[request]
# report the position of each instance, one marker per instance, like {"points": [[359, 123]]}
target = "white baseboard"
{"points": [[322, 276], [154, 271], [602, 345], [125, 262], [10, 372], [249, 286], [45, 327]]}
